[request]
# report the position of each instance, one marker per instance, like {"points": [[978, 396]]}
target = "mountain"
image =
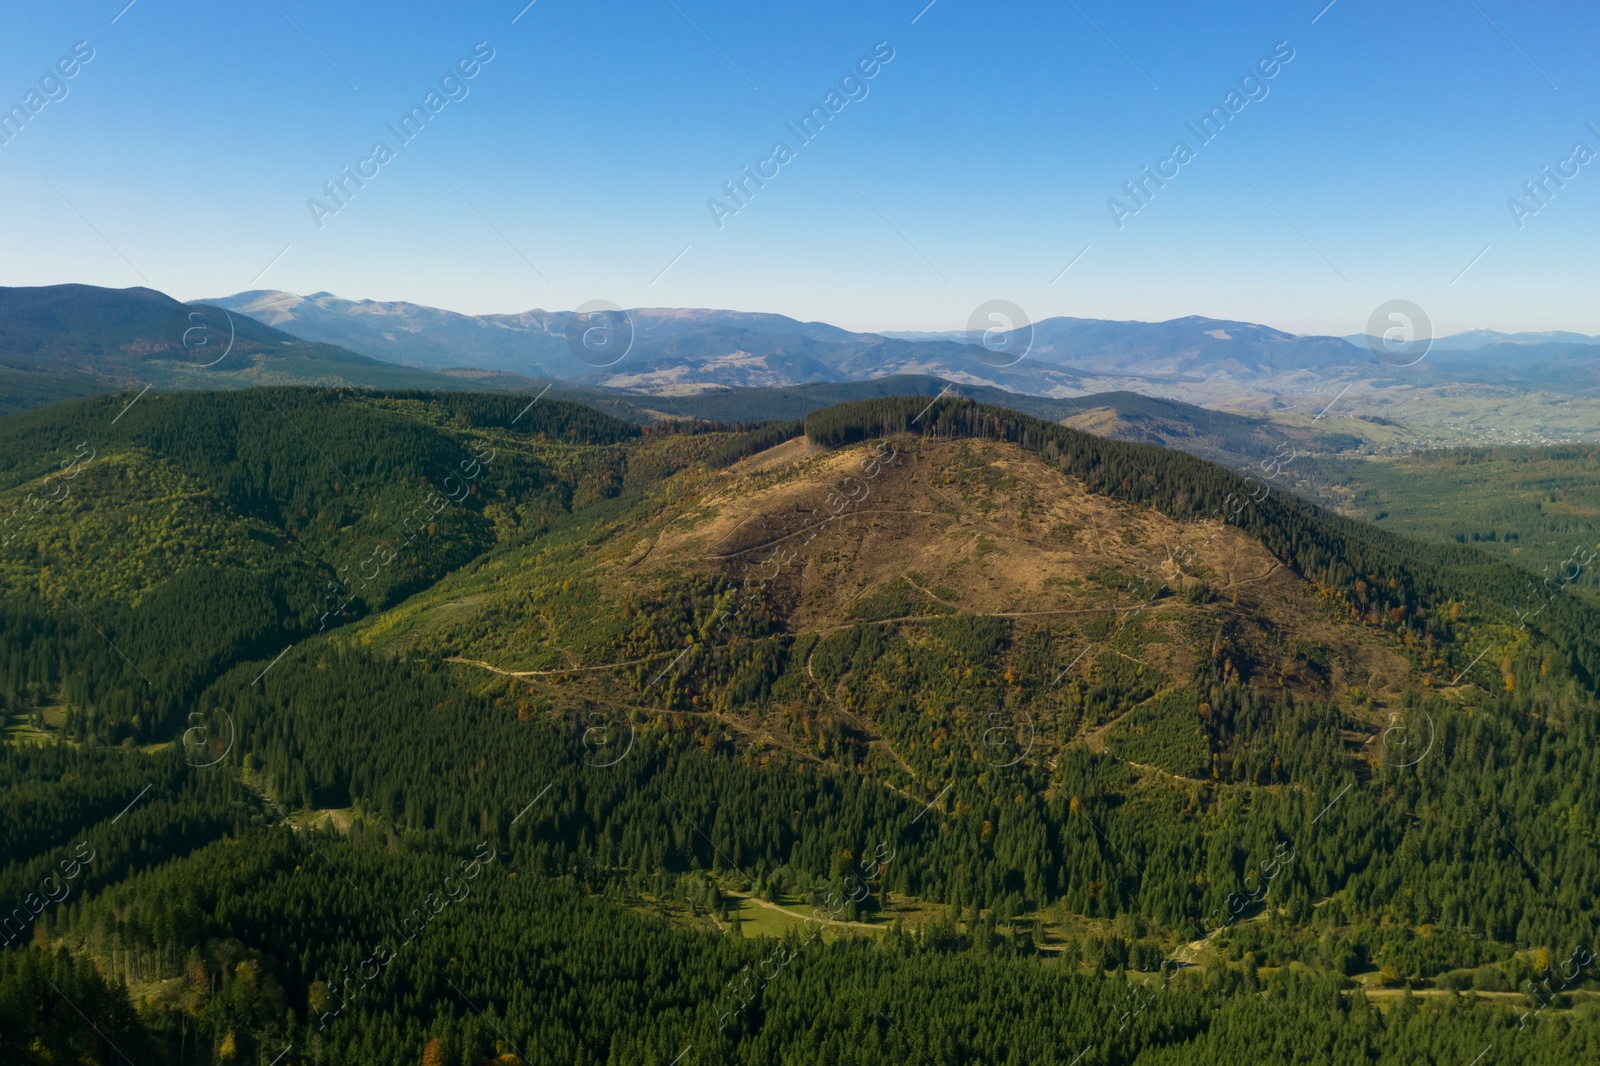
{"points": [[63, 340], [670, 351], [1474, 339], [1186, 347], [1513, 359], [677, 349], [1501, 392], [532, 342], [1490, 350], [405, 333], [1561, 369]]}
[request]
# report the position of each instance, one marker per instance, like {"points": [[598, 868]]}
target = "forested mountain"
{"points": [[59, 341], [421, 727]]}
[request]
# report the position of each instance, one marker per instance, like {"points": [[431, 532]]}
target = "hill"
{"points": [[957, 553], [1235, 440], [255, 518]]}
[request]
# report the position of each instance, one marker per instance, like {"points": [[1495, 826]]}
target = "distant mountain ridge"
{"points": [[680, 348], [535, 342], [58, 342], [1184, 346], [1474, 339], [61, 341]]}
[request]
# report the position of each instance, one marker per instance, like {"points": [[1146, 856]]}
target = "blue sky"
{"points": [[978, 165]]}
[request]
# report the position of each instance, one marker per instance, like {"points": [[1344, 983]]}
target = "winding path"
{"points": [[545, 673]]}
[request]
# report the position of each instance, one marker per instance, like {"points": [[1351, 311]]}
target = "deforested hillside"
{"points": [[777, 595]]}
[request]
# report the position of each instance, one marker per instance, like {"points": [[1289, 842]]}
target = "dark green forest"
{"points": [[254, 809]]}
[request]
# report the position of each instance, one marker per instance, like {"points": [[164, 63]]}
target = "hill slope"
{"points": [[954, 552]]}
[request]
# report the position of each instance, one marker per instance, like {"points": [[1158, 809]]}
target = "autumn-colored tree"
{"points": [[195, 973]]}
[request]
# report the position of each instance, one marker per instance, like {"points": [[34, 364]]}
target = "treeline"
{"points": [[755, 440]]}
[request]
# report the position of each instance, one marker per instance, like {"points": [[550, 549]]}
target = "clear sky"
{"points": [[979, 163]]}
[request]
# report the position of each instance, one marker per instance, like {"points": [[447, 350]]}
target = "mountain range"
{"points": [[676, 349], [685, 350], [1473, 339], [67, 341], [649, 364]]}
